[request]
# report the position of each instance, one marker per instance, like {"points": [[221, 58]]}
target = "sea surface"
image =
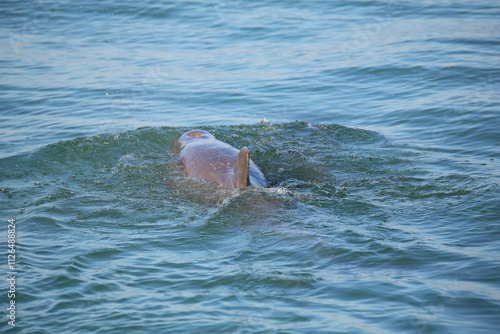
{"points": [[376, 123]]}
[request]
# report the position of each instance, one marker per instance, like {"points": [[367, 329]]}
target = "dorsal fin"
{"points": [[241, 169]]}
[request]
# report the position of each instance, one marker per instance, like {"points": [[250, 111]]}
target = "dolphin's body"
{"points": [[212, 160]]}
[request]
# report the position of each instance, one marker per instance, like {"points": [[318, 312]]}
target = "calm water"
{"points": [[376, 123]]}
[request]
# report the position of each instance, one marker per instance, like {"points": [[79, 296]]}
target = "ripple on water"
{"points": [[349, 215]]}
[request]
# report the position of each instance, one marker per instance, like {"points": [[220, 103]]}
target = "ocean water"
{"points": [[376, 123]]}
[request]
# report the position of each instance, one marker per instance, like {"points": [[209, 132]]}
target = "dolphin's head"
{"points": [[192, 136]]}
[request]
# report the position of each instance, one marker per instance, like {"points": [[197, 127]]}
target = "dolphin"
{"points": [[212, 160]]}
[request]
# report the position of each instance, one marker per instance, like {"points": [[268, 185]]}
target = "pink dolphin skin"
{"points": [[212, 160]]}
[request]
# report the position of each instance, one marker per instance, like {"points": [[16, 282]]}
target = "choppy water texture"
{"points": [[383, 211]]}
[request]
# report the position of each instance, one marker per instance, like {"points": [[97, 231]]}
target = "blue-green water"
{"points": [[376, 123]]}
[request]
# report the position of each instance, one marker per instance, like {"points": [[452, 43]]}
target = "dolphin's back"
{"points": [[215, 161]]}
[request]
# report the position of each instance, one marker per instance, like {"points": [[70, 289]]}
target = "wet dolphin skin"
{"points": [[212, 160]]}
